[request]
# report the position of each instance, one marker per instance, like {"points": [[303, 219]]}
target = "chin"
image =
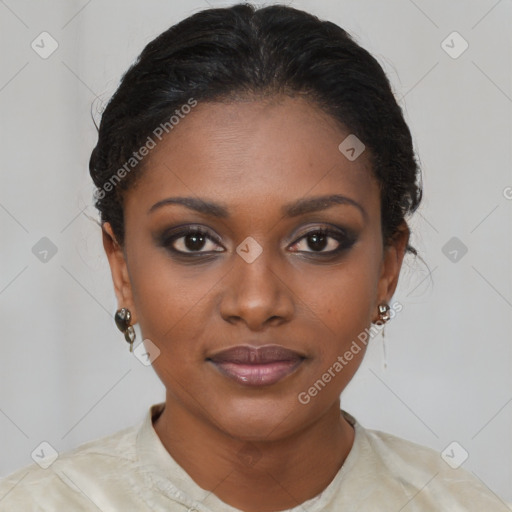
{"points": [[260, 419]]}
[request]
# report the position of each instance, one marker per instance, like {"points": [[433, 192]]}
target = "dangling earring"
{"points": [[123, 319], [384, 313], [384, 317]]}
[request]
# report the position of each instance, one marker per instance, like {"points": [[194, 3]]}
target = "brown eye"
{"points": [[191, 240], [323, 241]]}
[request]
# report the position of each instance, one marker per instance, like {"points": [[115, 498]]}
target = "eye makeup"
{"points": [[196, 241]]}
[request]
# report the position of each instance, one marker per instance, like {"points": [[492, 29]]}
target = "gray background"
{"points": [[66, 375]]}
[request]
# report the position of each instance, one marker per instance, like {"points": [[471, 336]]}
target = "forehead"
{"points": [[248, 152]]}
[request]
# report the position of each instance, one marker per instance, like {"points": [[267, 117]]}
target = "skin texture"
{"points": [[253, 157]]}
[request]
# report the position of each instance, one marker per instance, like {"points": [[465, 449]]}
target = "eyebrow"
{"points": [[300, 207]]}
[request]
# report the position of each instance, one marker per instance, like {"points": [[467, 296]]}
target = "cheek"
{"points": [[342, 298], [170, 299], [342, 307]]}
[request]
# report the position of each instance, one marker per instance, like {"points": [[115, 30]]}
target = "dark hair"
{"points": [[225, 54]]}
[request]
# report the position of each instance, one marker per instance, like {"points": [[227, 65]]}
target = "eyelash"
{"points": [[167, 241], [345, 240]]}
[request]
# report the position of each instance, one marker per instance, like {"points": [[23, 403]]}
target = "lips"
{"points": [[257, 366]]}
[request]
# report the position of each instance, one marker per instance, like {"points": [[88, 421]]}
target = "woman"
{"points": [[254, 174]]}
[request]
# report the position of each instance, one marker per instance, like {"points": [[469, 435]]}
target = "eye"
{"points": [[324, 241], [192, 239]]}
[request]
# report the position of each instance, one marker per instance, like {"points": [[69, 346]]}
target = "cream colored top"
{"points": [[131, 471]]}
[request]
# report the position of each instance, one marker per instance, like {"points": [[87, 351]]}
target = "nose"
{"points": [[257, 294]]}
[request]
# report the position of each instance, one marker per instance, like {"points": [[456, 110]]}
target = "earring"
{"points": [[123, 319], [384, 316], [384, 312]]}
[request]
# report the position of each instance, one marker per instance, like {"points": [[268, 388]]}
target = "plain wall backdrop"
{"points": [[66, 375]]}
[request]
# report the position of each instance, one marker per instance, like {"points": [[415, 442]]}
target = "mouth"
{"points": [[257, 366]]}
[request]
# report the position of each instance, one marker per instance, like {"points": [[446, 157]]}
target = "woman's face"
{"points": [[262, 271]]}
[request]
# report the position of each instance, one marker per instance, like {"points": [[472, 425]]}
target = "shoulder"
{"points": [[424, 476], [69, 478]]}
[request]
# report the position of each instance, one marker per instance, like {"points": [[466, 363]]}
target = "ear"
{"points": [[119, 270], [391, 264]]}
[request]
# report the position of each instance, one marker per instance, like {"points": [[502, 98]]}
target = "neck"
{"points": [[262, 476]]}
